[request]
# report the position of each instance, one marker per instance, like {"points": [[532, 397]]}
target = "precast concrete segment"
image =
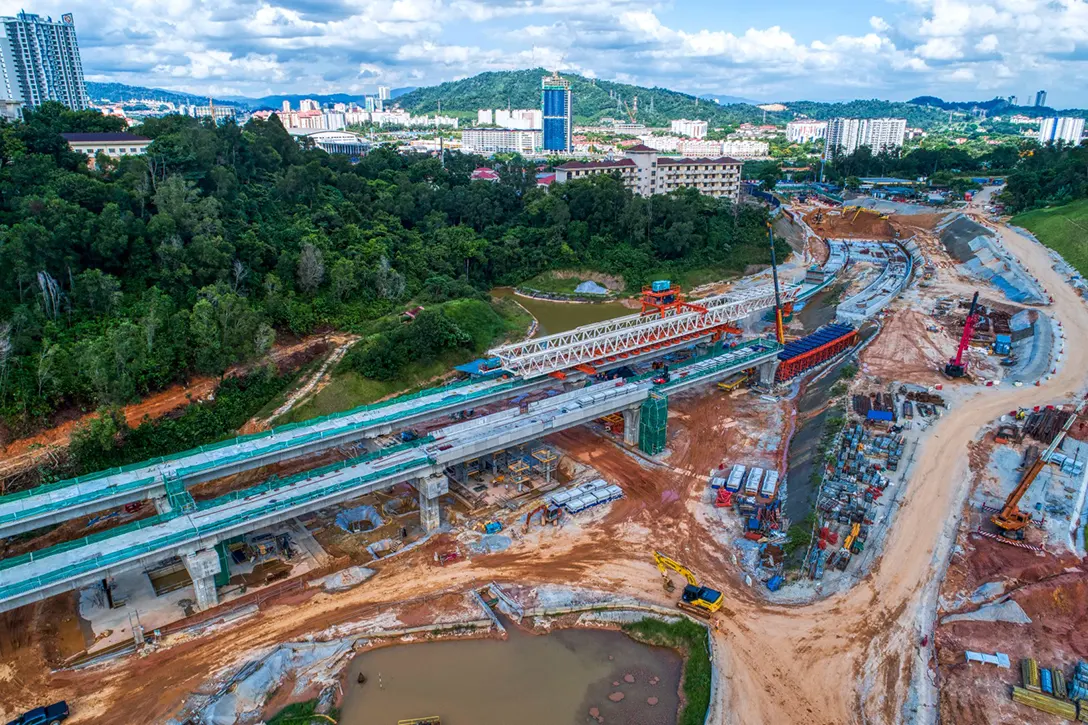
{"points": [[56, 503], [623, 336]]}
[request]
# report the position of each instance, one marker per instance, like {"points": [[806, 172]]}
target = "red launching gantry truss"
{"points": [[667, 320]]}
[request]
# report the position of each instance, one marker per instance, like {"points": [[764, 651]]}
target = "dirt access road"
{"points": [[849, 658], [26, 453]]}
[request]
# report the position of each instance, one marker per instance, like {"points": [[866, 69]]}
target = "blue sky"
{"points": [[785, 50]]}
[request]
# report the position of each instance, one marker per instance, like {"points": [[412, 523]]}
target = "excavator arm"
{"points": [[664, 564]]}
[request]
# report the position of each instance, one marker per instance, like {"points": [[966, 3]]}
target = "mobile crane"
{"points": [[1010, 520], [957, 366], [700, 601]]}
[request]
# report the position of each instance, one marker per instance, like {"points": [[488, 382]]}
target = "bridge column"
{"points": [[430, 488], [767, 371], [203, 566], [162, 505], [632, 418]]}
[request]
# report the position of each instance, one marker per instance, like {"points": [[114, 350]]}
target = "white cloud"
{"points": [[260, 46]]}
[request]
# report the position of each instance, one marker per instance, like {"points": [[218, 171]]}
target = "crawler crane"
{"points": [[1011, 521]]}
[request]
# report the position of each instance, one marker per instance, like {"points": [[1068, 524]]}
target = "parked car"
{"points": [[44, 715]]}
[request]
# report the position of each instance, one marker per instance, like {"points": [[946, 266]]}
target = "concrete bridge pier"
{"points": [[162, 505], [767, 371], [632, 418], [430, 488], [203, 566]]}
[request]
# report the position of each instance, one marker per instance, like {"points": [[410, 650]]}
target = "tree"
{"points": [[769, 176], [311, 268]]}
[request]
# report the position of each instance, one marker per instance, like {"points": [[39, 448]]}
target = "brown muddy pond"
{"points": [[562, 316], [551, 679]]}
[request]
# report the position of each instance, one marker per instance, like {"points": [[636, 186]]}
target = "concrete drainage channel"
{"points": [[240, 694]]}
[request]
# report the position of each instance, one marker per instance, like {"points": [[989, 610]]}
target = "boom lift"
{"points": [[1011, 520], [957, 366], [700, 601], [779, 329]]}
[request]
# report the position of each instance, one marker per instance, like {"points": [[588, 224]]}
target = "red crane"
{"points": [[957, 366]]}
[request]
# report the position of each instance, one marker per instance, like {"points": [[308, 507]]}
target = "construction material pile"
{"points": [[1047, 690], [1044, 424], [585, 496], [881, 402], [849, 493], [753, 494]]}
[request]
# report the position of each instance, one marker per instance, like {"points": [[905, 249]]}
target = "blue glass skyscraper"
{"points": [[556, 103]]}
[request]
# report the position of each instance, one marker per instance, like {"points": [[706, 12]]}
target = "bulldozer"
{"points": [[698, 600]]}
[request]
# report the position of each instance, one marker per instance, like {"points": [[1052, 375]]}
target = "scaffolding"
{"points": [[653, 423], [545, 461]]}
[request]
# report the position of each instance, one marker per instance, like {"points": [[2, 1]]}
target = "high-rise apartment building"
{"points": [[692, 129], [39, 61], [1066, 129], [309, 104], [500, 140], [805, 130], [286, 105], [558, 113], [1040, 98], [383, 93], [847, 135]]}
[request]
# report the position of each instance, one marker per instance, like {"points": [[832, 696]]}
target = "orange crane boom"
{"points": [[1011, 520]]}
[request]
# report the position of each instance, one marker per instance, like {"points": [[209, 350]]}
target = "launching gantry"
{"points": [[666, 320]]}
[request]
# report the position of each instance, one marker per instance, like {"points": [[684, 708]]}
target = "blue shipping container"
{"points": [[661, 285]]}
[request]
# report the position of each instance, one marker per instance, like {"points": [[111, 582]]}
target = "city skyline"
{"points": [[948, 48]]}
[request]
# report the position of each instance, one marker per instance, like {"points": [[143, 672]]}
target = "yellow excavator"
{"points": [[700, 601]]}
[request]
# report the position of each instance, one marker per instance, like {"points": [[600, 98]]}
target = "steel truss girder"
{"points": [[624, 336]]}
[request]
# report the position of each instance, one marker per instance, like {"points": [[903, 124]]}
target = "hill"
{"points": [[593, 99], [122, 92], [997, 105]]}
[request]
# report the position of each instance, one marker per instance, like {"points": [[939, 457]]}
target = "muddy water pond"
{"points": [[550, 679], [562, 316]]}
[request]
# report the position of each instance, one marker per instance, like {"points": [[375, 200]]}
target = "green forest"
{"points": [[119, 280], [595, 99]]}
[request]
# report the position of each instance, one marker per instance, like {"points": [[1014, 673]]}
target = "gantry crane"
{"points": [[957, 366], [1011, 520], [700, 601]]}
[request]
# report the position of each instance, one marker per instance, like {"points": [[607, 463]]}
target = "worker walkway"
{"points": [[57, 502]]}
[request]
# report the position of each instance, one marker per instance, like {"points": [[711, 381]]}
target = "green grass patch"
{"points": [[1062, 228], [302, 713], [348, 389], [690, 639], [516, 318], [563, 282], [698, 276]]}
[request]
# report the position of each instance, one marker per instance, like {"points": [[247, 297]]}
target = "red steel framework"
{"points": [[796, 365]]}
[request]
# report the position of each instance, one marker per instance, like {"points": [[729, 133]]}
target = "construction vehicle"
{"points": [[957, 366], [1010, 520], [549, 514], [664, 377], [733, 382], [698, 600]]}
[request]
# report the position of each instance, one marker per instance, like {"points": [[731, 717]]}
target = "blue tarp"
{"points": [[884, 415], [481, 366]]}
